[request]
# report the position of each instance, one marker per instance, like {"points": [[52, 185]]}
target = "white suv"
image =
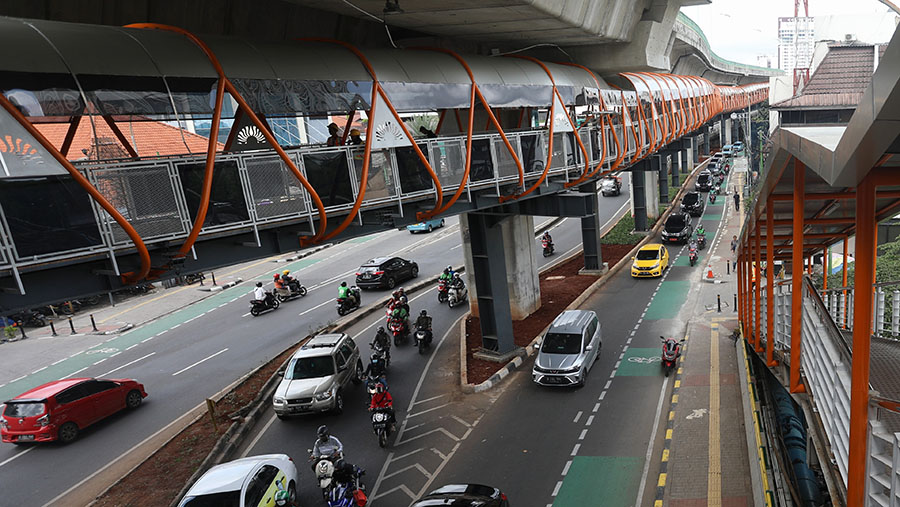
{"points": [[316, 376]]}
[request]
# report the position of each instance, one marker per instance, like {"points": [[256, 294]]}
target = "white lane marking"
{"points": [[556, 489], [74, 373], [57, 362], [659, 405], [583, 434], [575, 450], [200, 361], [26, 451], [566, 468], [596, 408], [39, 370], [110, 372], [116, 354], [457, 246], [320, 305], [100, 361], [145, 340], [590, 421], [259, 436], [577, 416], [75, 354], [426, 400], [410, 416], [17, 379], [608, 383], [248, 313], [602, 395], [133, 346]]}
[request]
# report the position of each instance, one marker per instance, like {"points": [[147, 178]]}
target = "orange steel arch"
{"points": [[602, 128], [642, 119], [668, 122], [677, 116], [555, 93], [223, 85], [682, 126], [143, 253], [367, 150], [476, 91]]}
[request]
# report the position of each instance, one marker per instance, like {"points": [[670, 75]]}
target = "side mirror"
{"points": [[589, 348], [309, 451], [281, 372], [632, 257]]}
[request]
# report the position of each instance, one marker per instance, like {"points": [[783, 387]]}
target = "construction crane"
{"points": [[801, 74]]}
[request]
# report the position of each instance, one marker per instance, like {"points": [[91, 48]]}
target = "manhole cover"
{"points": [[555, 278]]}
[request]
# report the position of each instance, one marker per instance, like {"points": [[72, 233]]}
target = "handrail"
{"points": [[143, 253], [602, 121], [225, 84]]}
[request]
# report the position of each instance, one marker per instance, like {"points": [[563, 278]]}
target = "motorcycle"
{"points": [[701, 241], [692, 252], [347, 305], [293, 290], [381, 425], [29, 318], [347, 494], [423, 339], [548, 247], [457, 295], [269, 303], [442, 290], [712, 196], [399, 329], [671, 350], [383, 353]]}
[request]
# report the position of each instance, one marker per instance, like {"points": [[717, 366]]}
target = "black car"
{"points": [[692, 204], [678, 228], [385, 272], [464, 495], [703, 181]]}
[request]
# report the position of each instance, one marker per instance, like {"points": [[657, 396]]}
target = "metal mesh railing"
{"points": [[274, 189]]}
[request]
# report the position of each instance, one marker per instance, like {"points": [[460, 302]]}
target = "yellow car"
{"points": [[651, 260]]}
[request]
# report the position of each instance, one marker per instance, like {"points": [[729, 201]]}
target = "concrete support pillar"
{"points": [[686, 158], [670, 161], [658, 165], [728, 133], [704, 148], [723, 127], [590, 233], [638, 201]]}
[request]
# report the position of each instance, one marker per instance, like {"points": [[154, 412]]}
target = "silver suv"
{"points": [[568, 350], [316, 376]]}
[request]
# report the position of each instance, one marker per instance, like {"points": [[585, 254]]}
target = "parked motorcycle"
{"points": [[457, 296], [29, 318], [381, 425], [442, 290], [269, 303], [293, 290], [347, 305], [548, 247], [398, 329], [671, 350], [692, 252], [423, 339]]}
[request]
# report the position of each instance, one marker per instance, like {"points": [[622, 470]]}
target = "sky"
{"points": [[739, 30]]}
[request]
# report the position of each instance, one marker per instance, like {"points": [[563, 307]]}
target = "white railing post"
{"points": [[879, 312], [895, 313]]}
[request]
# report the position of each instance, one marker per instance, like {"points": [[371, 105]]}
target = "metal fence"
{"points": [[160, 197]]}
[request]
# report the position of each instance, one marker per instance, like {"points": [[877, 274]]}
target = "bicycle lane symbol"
{"points": [[640, 362]]}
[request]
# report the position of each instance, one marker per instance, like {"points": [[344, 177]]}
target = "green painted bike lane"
{"points": [[116, 345], [615, 479]]}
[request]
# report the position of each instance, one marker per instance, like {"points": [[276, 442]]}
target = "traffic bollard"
{"points": [[52, 329], [735, 302], [719, 302], [201, 279], [727, 268], [71, 325], [213, 275], [94, 324]]}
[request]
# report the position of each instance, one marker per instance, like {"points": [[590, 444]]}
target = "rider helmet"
{"points": [[343, 284], [449, 268], [379, 388], [322, 432], [286, 272], [276, 276], [354, 132], [259, 284], [456, 276], [423, 313], [380, 329]]}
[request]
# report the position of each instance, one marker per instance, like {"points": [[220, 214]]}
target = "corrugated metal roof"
{"points": [[840, 79]]}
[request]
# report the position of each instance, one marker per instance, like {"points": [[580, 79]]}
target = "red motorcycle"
{"points": [[548, 247], [692, 252], [442, 291], [399, 329], [671, 351]]}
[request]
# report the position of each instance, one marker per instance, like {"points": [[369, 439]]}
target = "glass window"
{"points": [[226, 202], [482, 165], [648, 255], [561, 343], [347, 352], [341, 358], [259, 484], [71, 394], [329, 175], [310, 367], [27, 409], [222, 499], [411, 171]]}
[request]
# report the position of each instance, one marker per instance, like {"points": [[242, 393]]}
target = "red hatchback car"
{"points": [[59, 410]]}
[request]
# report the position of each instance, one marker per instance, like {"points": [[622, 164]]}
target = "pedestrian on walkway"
{"points": [[734, 243], [737, 200]]}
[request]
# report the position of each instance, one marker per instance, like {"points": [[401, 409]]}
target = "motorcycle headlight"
{"points": [[278, 400], [324, 396], [379, 416]]}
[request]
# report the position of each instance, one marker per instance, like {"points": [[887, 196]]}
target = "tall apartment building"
{"points": [[796, 41]]}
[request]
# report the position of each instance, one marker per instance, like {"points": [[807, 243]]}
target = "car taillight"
{"points": [[378, 273], [358, 273]]}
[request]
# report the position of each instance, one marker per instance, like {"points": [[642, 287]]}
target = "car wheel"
{"points": [[391, 283], [359, 373], [133, 399], [415, 271], [67, 432], [281, 417], [338, 403], [430, 228], [292, 493], [442, 222]]}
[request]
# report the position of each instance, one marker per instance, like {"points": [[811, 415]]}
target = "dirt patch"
{"points": [[161, 477], [559, 287]]}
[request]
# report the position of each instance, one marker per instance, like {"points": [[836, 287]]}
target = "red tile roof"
{"points": [[148, 138], [840, 79]]}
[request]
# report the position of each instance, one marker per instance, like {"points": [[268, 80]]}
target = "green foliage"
{"points": [[428, 121], [622, 234], [10, 332]]}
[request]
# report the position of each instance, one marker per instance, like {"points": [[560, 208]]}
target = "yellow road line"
{"points": [[714, 471]]}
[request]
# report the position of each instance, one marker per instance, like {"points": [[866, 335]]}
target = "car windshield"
{"points": [[689, 199], [223, 499], [309, 367], [28, 409], [608, 182], [648, 255], [675, 223], [561, 343], [703, 178], [368, 269]]}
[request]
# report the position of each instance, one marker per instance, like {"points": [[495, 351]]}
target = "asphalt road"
{"points": [[541, 446], [190, 355]]}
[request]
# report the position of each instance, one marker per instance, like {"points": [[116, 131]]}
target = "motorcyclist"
{"points": [[447, 274], [326, 446], [401, 312], [424, 322], [279, 283], [546, 237], [345, 292], [382, 400], [259, 294], [290, 281], [701, 231], [376, 369], [457, 282], [383, 340]]}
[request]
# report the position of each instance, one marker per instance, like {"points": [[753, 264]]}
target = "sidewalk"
{"points": [[40, 347], [704, 460]]}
